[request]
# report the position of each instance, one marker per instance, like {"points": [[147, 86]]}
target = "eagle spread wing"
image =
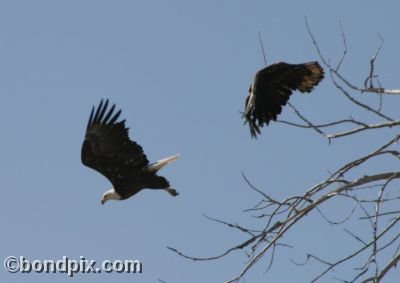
{"points": [[108, 149], [272, 87]]}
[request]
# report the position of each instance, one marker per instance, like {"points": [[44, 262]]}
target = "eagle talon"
{"points": [[172, 192]]}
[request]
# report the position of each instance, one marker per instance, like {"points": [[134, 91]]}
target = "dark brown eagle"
{"points": [[272, 87], [108, 150]]}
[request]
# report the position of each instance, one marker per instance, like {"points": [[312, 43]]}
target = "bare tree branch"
{"points": [[371, 193]]}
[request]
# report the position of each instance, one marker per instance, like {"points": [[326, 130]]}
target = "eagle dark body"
{"points": [[272, 87], [108, 150]]}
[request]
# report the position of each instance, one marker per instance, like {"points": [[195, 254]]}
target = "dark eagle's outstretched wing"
{"points": [[108, 149], [272, 87]]}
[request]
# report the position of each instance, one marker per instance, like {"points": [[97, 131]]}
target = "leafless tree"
{"points": [[373, 194]]}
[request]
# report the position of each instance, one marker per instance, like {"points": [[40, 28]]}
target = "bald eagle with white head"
{"points": [[108, 150]]}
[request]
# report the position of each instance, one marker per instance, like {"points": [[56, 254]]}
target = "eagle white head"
{"points": [[110, 194]]}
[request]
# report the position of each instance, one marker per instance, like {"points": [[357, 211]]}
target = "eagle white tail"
{"points": [[154, 167]]}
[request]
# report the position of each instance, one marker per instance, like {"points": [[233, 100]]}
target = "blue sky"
{"points": [[180, 71]]}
